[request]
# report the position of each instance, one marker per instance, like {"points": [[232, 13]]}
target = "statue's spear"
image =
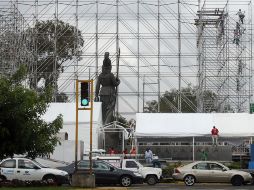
{"points": [[117, 74], [117, 64]]}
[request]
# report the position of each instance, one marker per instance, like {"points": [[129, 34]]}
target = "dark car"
{"points": [[105, 173]]}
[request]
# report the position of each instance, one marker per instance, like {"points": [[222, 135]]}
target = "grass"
{"points": [[37, 188], [58, 188]]}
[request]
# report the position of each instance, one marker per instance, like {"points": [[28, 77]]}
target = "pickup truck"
{"points": [[151, 175]]}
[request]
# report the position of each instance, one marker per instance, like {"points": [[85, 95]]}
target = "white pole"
{"points": [[193, 149]]}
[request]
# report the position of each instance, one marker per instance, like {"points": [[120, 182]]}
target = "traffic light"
{"points": [[251, 108], [85, 93]]}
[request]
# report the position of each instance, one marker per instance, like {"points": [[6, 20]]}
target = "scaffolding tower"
{"points": [[224, 42]]}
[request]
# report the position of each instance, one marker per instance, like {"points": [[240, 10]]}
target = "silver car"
{"points": [[209, 171]]}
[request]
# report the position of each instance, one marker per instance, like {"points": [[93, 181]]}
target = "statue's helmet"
{"points": [[106, 62]]}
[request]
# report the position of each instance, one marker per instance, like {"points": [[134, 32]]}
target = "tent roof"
{"points": [[194, 124], [68, 110]]}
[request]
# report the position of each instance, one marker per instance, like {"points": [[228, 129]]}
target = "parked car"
{"points": [[30, 170], [209, 171], [151, 175], [105, 173]]}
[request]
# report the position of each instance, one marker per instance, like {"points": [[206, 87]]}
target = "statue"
{"points": [[107, 92]]}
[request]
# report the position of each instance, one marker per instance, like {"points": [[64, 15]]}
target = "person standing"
{"points": [[204, 155], [112, 151], [215, 133], [125, 152], [148, 156], [133, 151]]}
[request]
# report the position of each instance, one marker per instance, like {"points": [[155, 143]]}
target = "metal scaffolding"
{"points": [[16, 42], [158, 48], [224, 42]]}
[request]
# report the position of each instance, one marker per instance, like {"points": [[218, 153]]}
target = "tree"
{"points": [[56, 42], [152, 106], [121, 119], [169, 101], [22, 130]]}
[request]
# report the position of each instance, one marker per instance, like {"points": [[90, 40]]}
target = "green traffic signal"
{"points": [[85, 93], [84, 102]]}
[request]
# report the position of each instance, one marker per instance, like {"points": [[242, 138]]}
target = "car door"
{"points": [[28, 170], [105, 173], [8, 169], [217, 174], [201, 172]]}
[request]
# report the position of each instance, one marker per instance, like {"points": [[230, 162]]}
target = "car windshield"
{"points": [[110, 165]]}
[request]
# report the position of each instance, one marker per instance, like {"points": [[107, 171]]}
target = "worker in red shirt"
{"points": [[133, 151], [112, 151], [215, 134]]}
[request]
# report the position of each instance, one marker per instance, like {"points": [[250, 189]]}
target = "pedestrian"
{"points": [[156, 163], [215, 133], [148, 156], [204, 155]]}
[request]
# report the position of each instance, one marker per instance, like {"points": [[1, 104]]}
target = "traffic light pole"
{"points": [[91, 121]]}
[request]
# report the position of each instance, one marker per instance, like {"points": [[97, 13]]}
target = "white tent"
{"points": [[68, 110], [194, 124]]}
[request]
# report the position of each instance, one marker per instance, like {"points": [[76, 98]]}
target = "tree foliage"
{"points": [[56, 42], [22, 130], [169, 101]]}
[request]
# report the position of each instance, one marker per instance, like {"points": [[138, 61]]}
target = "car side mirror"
{"points": [[112, 169]]}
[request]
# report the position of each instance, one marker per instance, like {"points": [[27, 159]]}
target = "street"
{"points": [[212, 186]]}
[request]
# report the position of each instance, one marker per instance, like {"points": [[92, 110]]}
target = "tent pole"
{"points": [[123, 140], [104, 139], [193, 148]]}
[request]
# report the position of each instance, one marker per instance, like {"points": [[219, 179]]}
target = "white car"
{"points": [[209, 171], [29, 170]]}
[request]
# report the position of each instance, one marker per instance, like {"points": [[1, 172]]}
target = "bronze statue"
{"points": [[107, 92]]}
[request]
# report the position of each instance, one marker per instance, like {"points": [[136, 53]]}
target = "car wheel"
{"points": [[237, 181], [189, 180], [151, 180], [125, 181], [50, 179], [2, 178]]}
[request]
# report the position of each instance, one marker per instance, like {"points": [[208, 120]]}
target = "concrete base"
{"points": [[83, 180]]}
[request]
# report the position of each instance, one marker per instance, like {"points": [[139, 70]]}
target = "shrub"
{"points": [[169, 169]]}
